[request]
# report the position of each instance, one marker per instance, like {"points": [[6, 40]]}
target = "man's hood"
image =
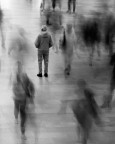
{"points": [[44, 34]]}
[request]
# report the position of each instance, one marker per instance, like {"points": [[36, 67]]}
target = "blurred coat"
{"points": [[23, 87], [20, 47]]}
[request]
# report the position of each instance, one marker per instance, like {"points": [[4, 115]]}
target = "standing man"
{"points": [[43, 43], [70, 2]]}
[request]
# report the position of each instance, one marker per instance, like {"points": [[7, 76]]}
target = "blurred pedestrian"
{"points": [[85, 109], [109, 33], [107, 101], [67, 47], [2, 34], [56, 27], [1, 28], [71, 2], [20, 47], [23, 90], [91, 37], [43, 43], [48, 14]]}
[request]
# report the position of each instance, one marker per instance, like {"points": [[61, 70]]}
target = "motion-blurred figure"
{"points": [[1, 28], [20, 49], [107, 28], [48, 14], [43, 43], [109, 33], [2, 34], [67, 46], [56, 27], [85, 109], [91, 36], [54, 22], [23, 90], [107, 103], [71, 2], [20, 46]]}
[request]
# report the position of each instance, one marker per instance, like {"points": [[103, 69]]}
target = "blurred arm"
{"points": [[37, 42]]}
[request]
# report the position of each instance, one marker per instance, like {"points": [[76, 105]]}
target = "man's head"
{"points": [[44, 28]]}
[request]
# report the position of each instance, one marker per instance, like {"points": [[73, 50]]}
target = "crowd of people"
{"points": [[91, 32]]}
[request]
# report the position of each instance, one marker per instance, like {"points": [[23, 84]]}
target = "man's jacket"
{"points": [[44, 41]]}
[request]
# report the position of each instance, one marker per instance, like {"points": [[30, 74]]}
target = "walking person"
{"points": [[67, 47], [53, 4], [43, 43], [23, 90], [1, 28], [108, 97], [2, 35], [85, 110], [56, 28], [71, 2]]}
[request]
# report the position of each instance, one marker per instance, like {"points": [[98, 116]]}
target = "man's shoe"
{"points": [[39, 75], [46, 75]]}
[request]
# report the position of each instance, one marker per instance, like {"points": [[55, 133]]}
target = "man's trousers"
{"points": [[43, 55]]}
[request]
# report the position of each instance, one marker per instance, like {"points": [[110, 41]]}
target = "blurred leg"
{"points": [[69, 5], [66, 63], [63, 107], [79, 131], [56, 43], [59, 2], [108, 98], [16, 108], [53, 4], [54, 36], [43, 4], [98, 49], [23, 116], [110, 49], [74, 5], [91, 54], [46, 59], [112, 87], [2, 37]]}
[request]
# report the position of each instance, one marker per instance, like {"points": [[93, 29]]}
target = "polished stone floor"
{"points": [[45, 124]]}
